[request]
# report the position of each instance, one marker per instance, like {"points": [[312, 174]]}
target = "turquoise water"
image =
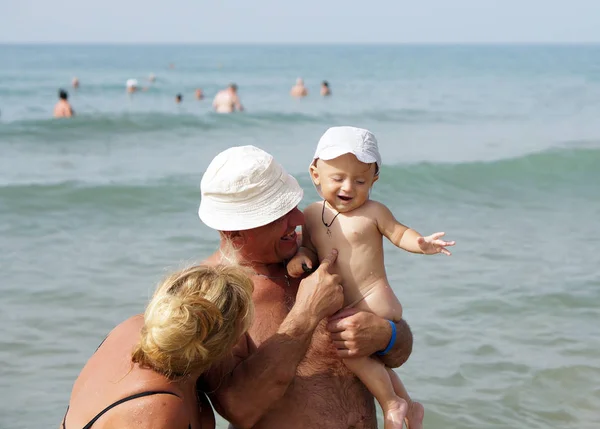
{"points": [[499, 146]]}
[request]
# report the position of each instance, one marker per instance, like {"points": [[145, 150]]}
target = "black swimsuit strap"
{"points": [[120, 401]]}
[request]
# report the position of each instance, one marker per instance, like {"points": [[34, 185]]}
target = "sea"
{"points": [[496, 145]]}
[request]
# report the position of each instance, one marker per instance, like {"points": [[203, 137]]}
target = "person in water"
{"points": [[325, 90], [345, 166], [227, 100], [299, 90], [63, 108], [145, 373]]}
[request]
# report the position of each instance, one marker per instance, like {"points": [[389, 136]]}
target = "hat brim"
{"points": [[334, 152], [274, 203]]}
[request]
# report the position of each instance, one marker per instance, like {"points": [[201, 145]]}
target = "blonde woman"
{"points": [[144, 374]]}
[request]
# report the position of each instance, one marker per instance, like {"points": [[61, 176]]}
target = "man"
{"points": [[63, 109], [287, 371], [227, 100], [325, 90], [299, 90]]}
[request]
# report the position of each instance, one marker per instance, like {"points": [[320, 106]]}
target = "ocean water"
{"points": [[499, 146]]}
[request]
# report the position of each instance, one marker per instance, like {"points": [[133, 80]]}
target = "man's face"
{"points": [[276, 241]]}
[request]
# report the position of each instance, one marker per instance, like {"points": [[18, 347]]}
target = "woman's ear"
{"points": [[314, 174]]}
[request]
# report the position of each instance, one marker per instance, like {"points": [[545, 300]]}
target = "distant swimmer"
{"points": [[199, 94], [75, 83], [63, 109], [325, 90], [227, 100], [151, 78], [132, 86], [299, 90], [178, 98]]}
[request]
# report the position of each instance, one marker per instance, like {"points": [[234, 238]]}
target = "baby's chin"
{"points": [[344, 206]]}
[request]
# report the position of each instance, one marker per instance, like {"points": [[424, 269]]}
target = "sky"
{"points": [[306, 21]]}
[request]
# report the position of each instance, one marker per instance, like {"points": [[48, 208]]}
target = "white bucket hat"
{"points": [[131, 83], [244, 188], [338, 141]]}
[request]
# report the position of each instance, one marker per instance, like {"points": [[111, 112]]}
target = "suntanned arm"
{"points": [[362, 333], [402, 347], [400, 235], [264, 374], [259, 376]]}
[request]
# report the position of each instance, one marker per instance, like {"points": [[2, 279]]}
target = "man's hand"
{"points": [[432, 244], [320, 295], [358, 333]]}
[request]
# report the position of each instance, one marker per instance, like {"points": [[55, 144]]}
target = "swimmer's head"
{"points": [[178, 98], [325, 84], [199, 93], [233, 87], [62, 94]]}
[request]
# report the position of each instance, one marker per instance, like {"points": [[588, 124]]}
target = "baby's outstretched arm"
{"points": [[306, 259], [406, 238]]}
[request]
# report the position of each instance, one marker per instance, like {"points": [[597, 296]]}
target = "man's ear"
{"points": [[314, 174], [235, 237]]}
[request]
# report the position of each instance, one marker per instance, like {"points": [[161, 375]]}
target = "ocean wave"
{"points": [[105, 124], [568, 167], [564, 168], [102, 124]]}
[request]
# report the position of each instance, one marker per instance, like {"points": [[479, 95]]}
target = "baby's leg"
{"points": [[382, 301], [376, 378], [416, 412]]}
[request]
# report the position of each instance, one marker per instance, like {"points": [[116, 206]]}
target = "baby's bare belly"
{"points": [[375, 295]]}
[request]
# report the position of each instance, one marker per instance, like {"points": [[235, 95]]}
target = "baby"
{"points": [[344, 168]]}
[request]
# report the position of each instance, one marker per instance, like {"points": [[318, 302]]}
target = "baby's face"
{"points": [[345, 181]]}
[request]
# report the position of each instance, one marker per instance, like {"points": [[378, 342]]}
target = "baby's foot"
{"points": [[414, 416], [395, 414]]}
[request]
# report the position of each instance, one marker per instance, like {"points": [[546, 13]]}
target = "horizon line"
{"points": [[245, 43]]}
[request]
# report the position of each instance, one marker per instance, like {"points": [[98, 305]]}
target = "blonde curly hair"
{"points": [[194, 319]]}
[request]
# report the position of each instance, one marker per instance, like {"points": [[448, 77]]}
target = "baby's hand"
{"points": [[432, 244], [299, 265]]}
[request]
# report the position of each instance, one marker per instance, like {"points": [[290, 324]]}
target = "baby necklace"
{"points": [[323, 219]]}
